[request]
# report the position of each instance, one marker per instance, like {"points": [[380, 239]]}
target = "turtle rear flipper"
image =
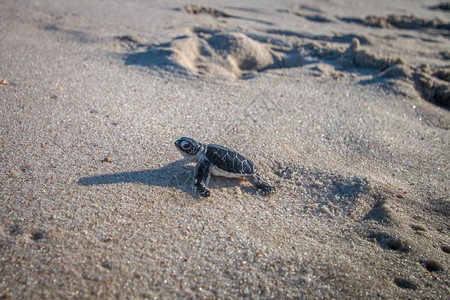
{"points": [[261, 185]]}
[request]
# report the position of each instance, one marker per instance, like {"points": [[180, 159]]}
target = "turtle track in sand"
{"points": [[380, 214], [335, 195]]}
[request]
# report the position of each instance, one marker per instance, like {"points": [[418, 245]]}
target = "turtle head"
{"points": [[188, 147]]}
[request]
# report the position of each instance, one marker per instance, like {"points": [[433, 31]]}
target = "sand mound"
{"points": [[232, 54], [237, 55], [352, 56], [355, 56], [243, 52], [434, 86], [431, 84], [214, 52]]}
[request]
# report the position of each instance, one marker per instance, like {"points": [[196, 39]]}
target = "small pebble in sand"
{"points": [[26, 169], [4, 296], [418, 227], [432, 265], [106, 265], [38, 235], [15, 230], [445, 248], [404, 283], [326, 211], [3, 81], [395, 244]]}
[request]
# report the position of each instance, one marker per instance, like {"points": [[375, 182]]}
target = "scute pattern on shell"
{"points": [[229, 161]]}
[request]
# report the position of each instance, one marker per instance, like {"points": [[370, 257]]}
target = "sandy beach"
{"points": [[343, 105]]}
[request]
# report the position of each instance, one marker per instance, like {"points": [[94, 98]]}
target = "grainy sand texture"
{"points": [[343, 105]]}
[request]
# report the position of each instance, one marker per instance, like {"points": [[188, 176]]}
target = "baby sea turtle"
{"points": [[218, 161]]}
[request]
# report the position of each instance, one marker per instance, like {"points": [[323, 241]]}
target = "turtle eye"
{"points": [[185, 145]]}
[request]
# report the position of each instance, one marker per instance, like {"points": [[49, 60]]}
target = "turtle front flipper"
{"points": [[261, 185], [201, 178]]}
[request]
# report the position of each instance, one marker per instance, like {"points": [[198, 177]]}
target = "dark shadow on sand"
{"points": [[175, 175], [155, 56]]}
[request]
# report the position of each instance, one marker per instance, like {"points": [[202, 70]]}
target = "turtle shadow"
{"points": [[176, 175]]}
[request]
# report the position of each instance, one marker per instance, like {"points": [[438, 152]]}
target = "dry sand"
{"points": [[343, 105]]}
